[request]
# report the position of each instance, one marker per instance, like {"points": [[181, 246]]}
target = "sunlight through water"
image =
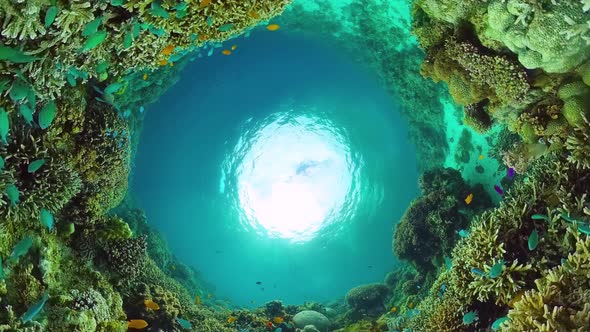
{"points": [[293, 175]]}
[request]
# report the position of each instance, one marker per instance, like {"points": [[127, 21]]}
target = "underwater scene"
{"points": [[294, 165]]}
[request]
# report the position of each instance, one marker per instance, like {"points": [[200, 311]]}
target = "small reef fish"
{"points": [[253, 14], [46, 219], [478, 272], [480, 157], [1, 163], [50, 16], [91, 27], [209, 296], [35, 309], [448, 263], [510, 173], [413, 312], [162, 62], [497, 324], [19, 90], [158, 11], [47, 115], [584, 229], [278, 320], [151, 304], [4, 126], [113, 87], [197, 299], [497, 269], [411, 305], [468, 199], [141, 109], [393, 309], [469, 318], [171, 64], [259, 282], [21, 248], [499, 190], [463, 233], [144, 77], [203, 37], [226, 52], [516, 298], [210, 21], [533, 240], [273, 27], [2, 275], [35, 165], [226, 27], [27, 113], [185, 324], [137, 324], [231, 319], [167, 50], [15, 55], [269, 324], [443, 289], [13, 194], [233, 47], [539, 217], [204, 3], [93, 41]]}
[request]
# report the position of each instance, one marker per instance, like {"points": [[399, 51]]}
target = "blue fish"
{"points": [[539, 217], [184, 323], [463, 233], [469, 318], [478, 272], [1, 163], [27, 113], [4, 125], [13, 194], [533, 240], [210, 21], [496, 270], [279, 329], [47, 219], [2, 276], [141, 109], [584, 229], [21, 248], [448, 263], [498, 322], [35, 165], [34, 310], [226, 27]]}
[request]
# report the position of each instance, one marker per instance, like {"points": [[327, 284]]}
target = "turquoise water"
{"points": [[284, 163]]}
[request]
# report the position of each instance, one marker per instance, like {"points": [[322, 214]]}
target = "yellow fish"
{"points": [[231, 319], [480, 156], [273, 27], [197, 299], [204, 3], [253, 14], [226, 52], [151, 304], [278, 320], [515, 299], [137, 324], [233, 47], [202, 37], [468, 199], [173, 267], [171, 64], [168, 50], [209, 295], [144, 77], [164, 62], [411, 305], [393, 309]]}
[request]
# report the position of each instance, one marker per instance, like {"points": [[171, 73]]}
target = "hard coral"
{"points": [[368, 299], [126, 257]]}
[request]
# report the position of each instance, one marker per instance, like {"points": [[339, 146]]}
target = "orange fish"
{"points": [[151, 304], [480, 156], [168, 50], [197, 299], [204, 3], [272, 27], [468, 199], [393, 309], [137, 324], [278, 320], [164, 62], [226, 52], [231, 319], [253, 14], [202, 37], [269, 324], [233, 47], [144, 77]]}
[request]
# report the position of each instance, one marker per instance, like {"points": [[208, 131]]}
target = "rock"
{"points": [[310, 317]]}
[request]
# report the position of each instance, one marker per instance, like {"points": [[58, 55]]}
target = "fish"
{"points": [[47, 115], [393, 309], [13, 194], [226, 52], [185, 324], [113, 87], [92, 27], [35, 309], [278, 320], [197, 299], [93, 41], [209, 296], [156, 31], [158, 11], [516, 298], [226, 27], [167, 50], [510, 172], [478, 272], [50, 16], [171, 64], [2, 275], [411, 305], [137, 324], [279, 329], [539, 217], [231, 319], [27, 113], [413, 312], [141, 109], [584, 229], [151, 304], [19, 90], [253, 14], [533, 240], [15, 56], [136, 29], [259, 282], [1, 163], [497, 269], [210, 21], [469, 318], [4, 84], [162, 62], [46, 219], [468, 199], [117, 2], [480, 157], [35, 165], [273, 27], [204, 3], [21, 248], [496, 325], [463, 233], [144, 77], [499, 190], [448, 263], [233, 47], [4, 125], [127, 40]]}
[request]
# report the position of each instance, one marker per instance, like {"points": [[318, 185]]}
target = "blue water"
{"points": [[192, 131]]}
